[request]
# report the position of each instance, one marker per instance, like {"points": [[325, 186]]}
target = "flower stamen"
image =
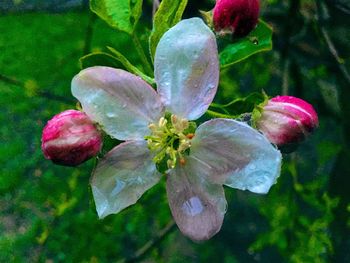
{"points": [[170, 140]]}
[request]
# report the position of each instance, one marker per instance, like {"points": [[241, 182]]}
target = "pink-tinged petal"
{"points": [[70, 138], [236, 155], [297, 109], [287, 120], [238, 17], [121, 102], [187, 68], [285, 130], [197, 206], [122, 176]]}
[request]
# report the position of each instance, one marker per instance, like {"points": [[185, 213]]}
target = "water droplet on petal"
{"points": [[119, 186], [110, 115], [192, 206]]}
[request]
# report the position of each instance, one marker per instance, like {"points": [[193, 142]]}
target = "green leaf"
{"points": [[257, 41], [117, 60], [168, 15], [120, 14]]}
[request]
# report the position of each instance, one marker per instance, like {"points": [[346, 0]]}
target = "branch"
{"points": [[151, 244], [331, 47], [285, 77], [343, 8], [289, 29], [41, 93]]}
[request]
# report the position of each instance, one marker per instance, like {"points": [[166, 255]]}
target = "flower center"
{"points": [[170, 140]]}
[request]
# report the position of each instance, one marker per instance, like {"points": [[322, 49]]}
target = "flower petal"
{"points": [[187, 68], [122, 176], [198, 207], [236, 155], [121, 102]]}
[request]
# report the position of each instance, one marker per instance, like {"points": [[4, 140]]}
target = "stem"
{"points": [[218, 106], [218, 115], [285, 78], [334, 52], [142, 55], [151, 244], [126, 63], [41, 93], [89, 33], [290, 26]]}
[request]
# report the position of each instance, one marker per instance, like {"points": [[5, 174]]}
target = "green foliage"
{"points": [[168, 14], [299, 216], [237, 107], [122, 14], [116, 60], [258, 40]]}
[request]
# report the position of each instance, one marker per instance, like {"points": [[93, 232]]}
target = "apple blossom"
{"points": [[161, 137]]}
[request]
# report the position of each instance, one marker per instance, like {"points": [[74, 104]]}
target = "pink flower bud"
{"points": [[287, 120], [70, 138], [236, 16]]}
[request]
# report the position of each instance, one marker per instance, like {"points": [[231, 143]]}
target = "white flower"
{"points": [[222, 151]]}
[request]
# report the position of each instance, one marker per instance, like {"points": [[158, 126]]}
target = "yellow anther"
{"points": [[184, 124], [170, 164], [173, 119], [184, 146], [152, 127], [162, 122], [168, 150], [167, 140]]}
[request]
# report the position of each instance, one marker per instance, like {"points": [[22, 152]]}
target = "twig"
{"points": [[343, 8], [10, 80], [289, 29], [285, 77], [334, 52], [41, 93], [331, 47], [151, 244]]}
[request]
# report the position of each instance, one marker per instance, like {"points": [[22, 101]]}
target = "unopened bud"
{"points": [[70, 138], [237, 17], [287, 120]]}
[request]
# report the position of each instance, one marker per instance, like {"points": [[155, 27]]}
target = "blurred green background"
{"points": [[46, 211]]}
